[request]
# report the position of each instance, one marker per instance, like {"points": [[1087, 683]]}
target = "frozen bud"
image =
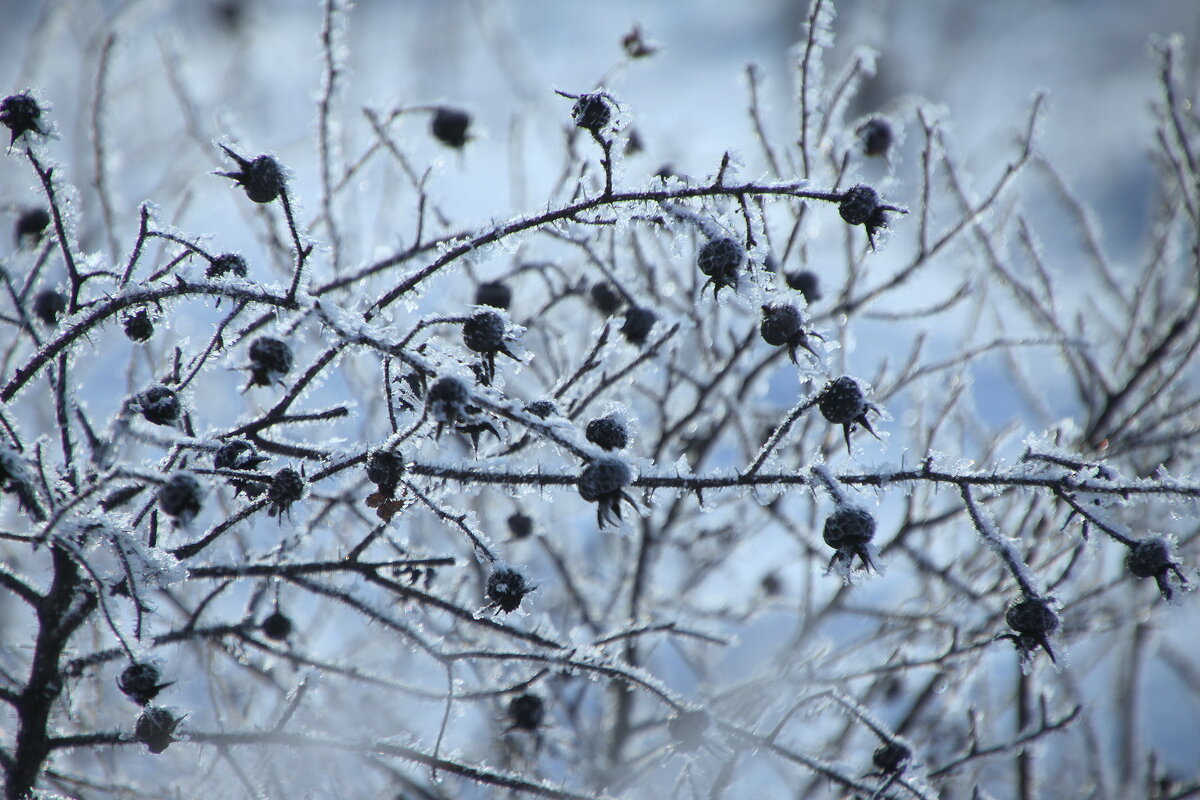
{"points": [[48, 304], [493, 293], [603, 481], [156, 728], [270, 359], [179, 498], [227, 263], [262, 178], [285, 489], [277, 626], [526, 711], [21, 114], [849, 530], [31, 225], [639, 322], [605, 298], [506, 588], [591, 112], [450, 126], [140, 682], [720, 259], [609, 433], [158, 405]]}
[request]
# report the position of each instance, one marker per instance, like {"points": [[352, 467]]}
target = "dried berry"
{"points": [[609, 433], [860, 206], [782, 324], [270, 359], [606, 299], [493, 293], [687, 728], [638, 324], [237, 454], [849, 530], [591, 112], [806, 283], [179, 498], [21, 114], [447, 401], [506, 588], [891, 758], [139, 682], [226, 263], [31, 225], [15, 477], [720, 259], [603, 481], [277, 626], [541, 408], [1034, 621], [876, 136], [526, 711], [842, 402], [158, 405], [139, 327], [48, 304], [385, 468], [484, 333], [1151, 558], [449, 126], [156, 728], [285, 489], [520, 525], [261, 178]]}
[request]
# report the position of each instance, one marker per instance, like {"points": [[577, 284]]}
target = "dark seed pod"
{"points": [[139, 682], [237, 454], [780, 324], [262, 178], [842, 402], [876, 136], [638, 324], [277, 626], [806, 283], [609, 433], [605, 298], [286, 488], [158, 405], [385, 468], [687, 729], [603, 481], [891, 758], [591, 112], [156, 728], [860, 206], [720, 260], [449, 126], [1151, 558], [179, 498], [493, 293], [520, 525], [484, 332], [31, 225], [506, 588], [48, 304], [1034, 621], [139, 327], [541, 408], [848, 530], [21, 114], [270, 359], [526, 711], [447, 400], [227, 263]]}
